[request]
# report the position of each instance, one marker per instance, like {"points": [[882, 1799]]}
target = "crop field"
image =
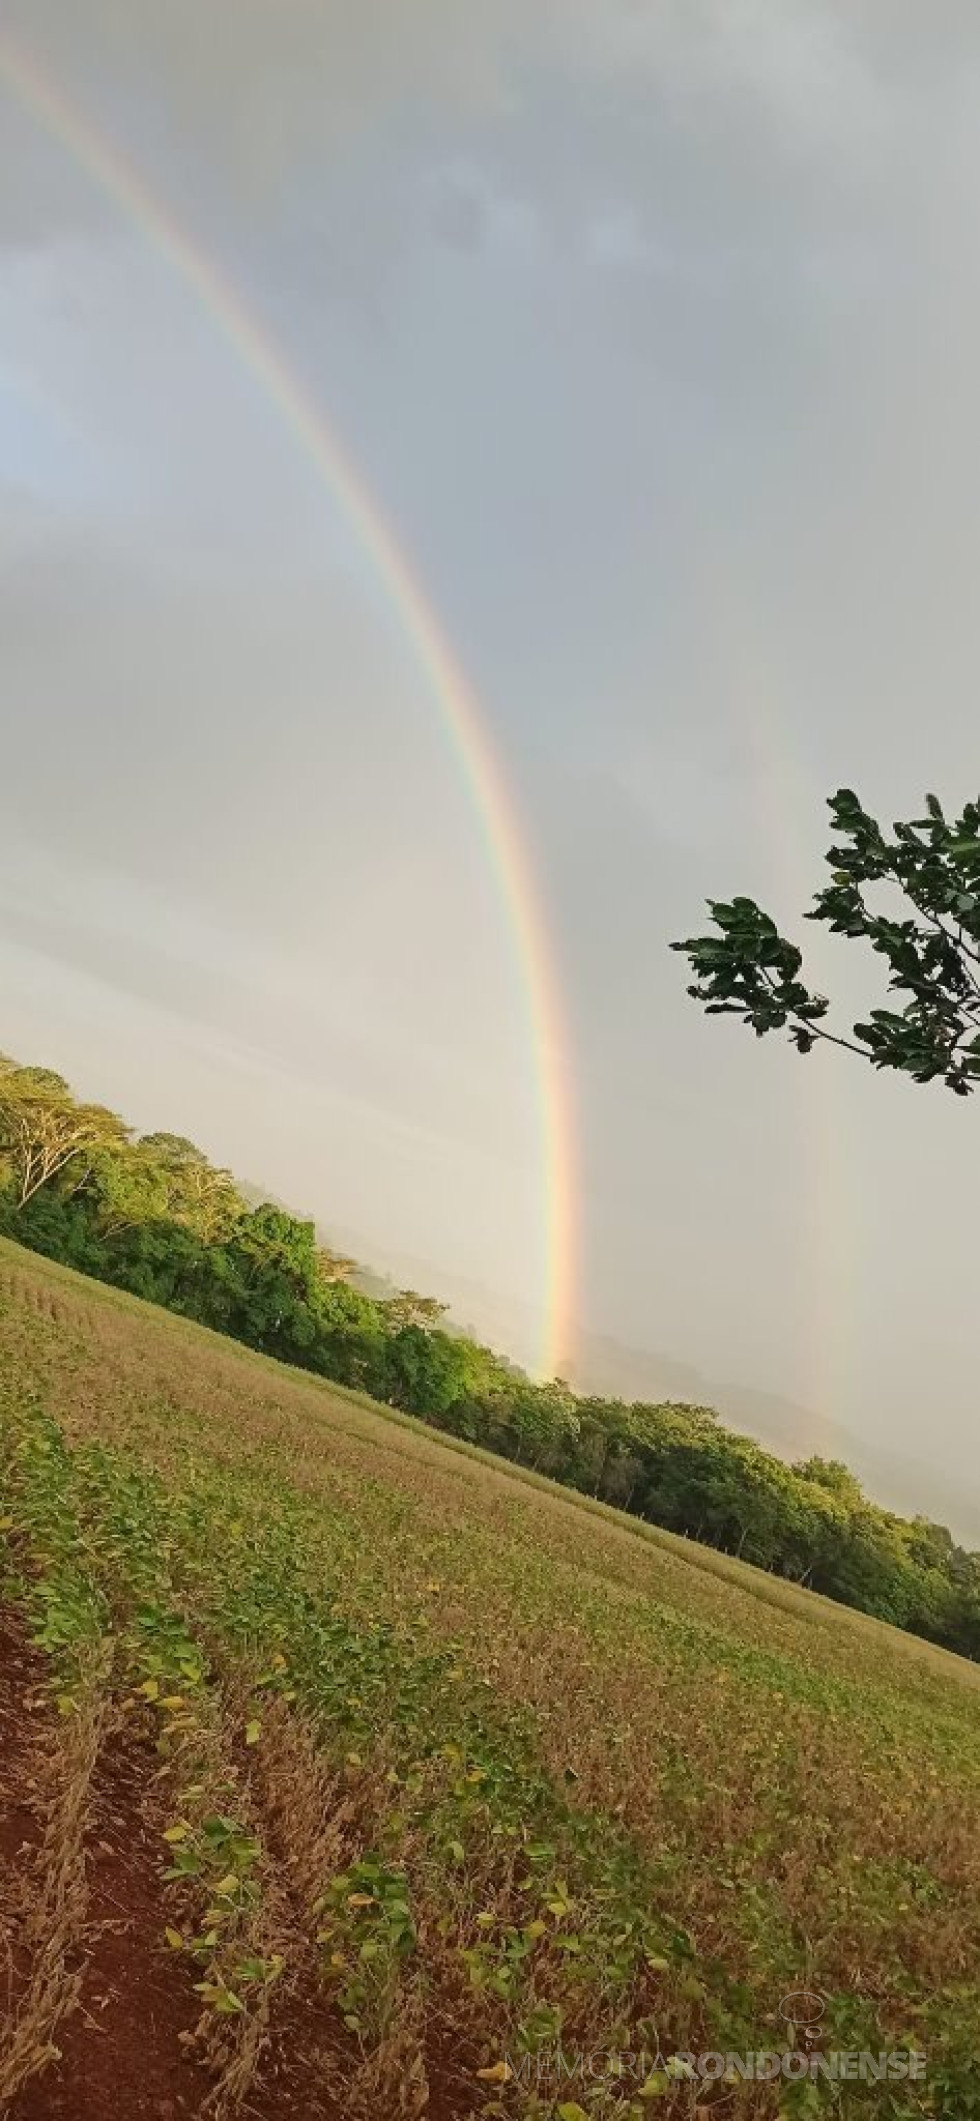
{"points": [[346, 1773]]}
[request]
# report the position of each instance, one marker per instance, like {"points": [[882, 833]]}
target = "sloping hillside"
{"points": [[346, 1772]]}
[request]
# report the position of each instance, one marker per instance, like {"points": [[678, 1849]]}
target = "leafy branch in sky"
{"points": [[927, 932]]}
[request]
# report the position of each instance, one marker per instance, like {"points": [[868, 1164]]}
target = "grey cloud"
{"points": [[459, 212], [653, 332]]}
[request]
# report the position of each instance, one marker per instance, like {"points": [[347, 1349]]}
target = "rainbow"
{"points": [[114, 174]]}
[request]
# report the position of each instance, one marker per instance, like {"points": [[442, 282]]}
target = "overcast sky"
{"points": [[654, 332]]}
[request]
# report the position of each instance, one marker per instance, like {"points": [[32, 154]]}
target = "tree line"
{"points": [[151, 1214]]}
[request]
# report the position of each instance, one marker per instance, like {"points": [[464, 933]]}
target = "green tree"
{"points": [[273, 1262], [195, 1193], [125, 1188], [408, 1308], [43, 1130], [923, 922], [832, 1474], [335, 1266], [427, 1371]]}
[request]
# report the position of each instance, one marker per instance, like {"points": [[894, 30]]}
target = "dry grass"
{"points": [[53, 1894]]}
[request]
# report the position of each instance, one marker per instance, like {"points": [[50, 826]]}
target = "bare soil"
{"points": [[126, 2049]]}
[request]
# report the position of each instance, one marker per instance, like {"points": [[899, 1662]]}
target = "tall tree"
{"points": [[197, 1194], [334, 1266], [927, 932], [408, 1308], [43, 1130], [126, 1189]]}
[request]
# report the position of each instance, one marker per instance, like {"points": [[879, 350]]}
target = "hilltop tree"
{"points": [[334, 1266], [127, 1191], [173, 1152], [832, 1474], [408, 1308], [199, 1195], [927, 932], [43, 1130]]}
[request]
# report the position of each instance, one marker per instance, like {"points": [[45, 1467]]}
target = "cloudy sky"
{"points": [[652, 332]]}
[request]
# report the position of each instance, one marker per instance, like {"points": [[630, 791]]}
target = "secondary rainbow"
{"points": [[115, 174]]}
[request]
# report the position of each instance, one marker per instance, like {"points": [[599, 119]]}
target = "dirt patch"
{"points": [[121, 2053], [299, 2071], [124, 2052], [23, 1730], [22, 1703]]}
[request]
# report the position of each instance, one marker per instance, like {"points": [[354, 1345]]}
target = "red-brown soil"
{"points": [[121, 2052], [126, 2050]]}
